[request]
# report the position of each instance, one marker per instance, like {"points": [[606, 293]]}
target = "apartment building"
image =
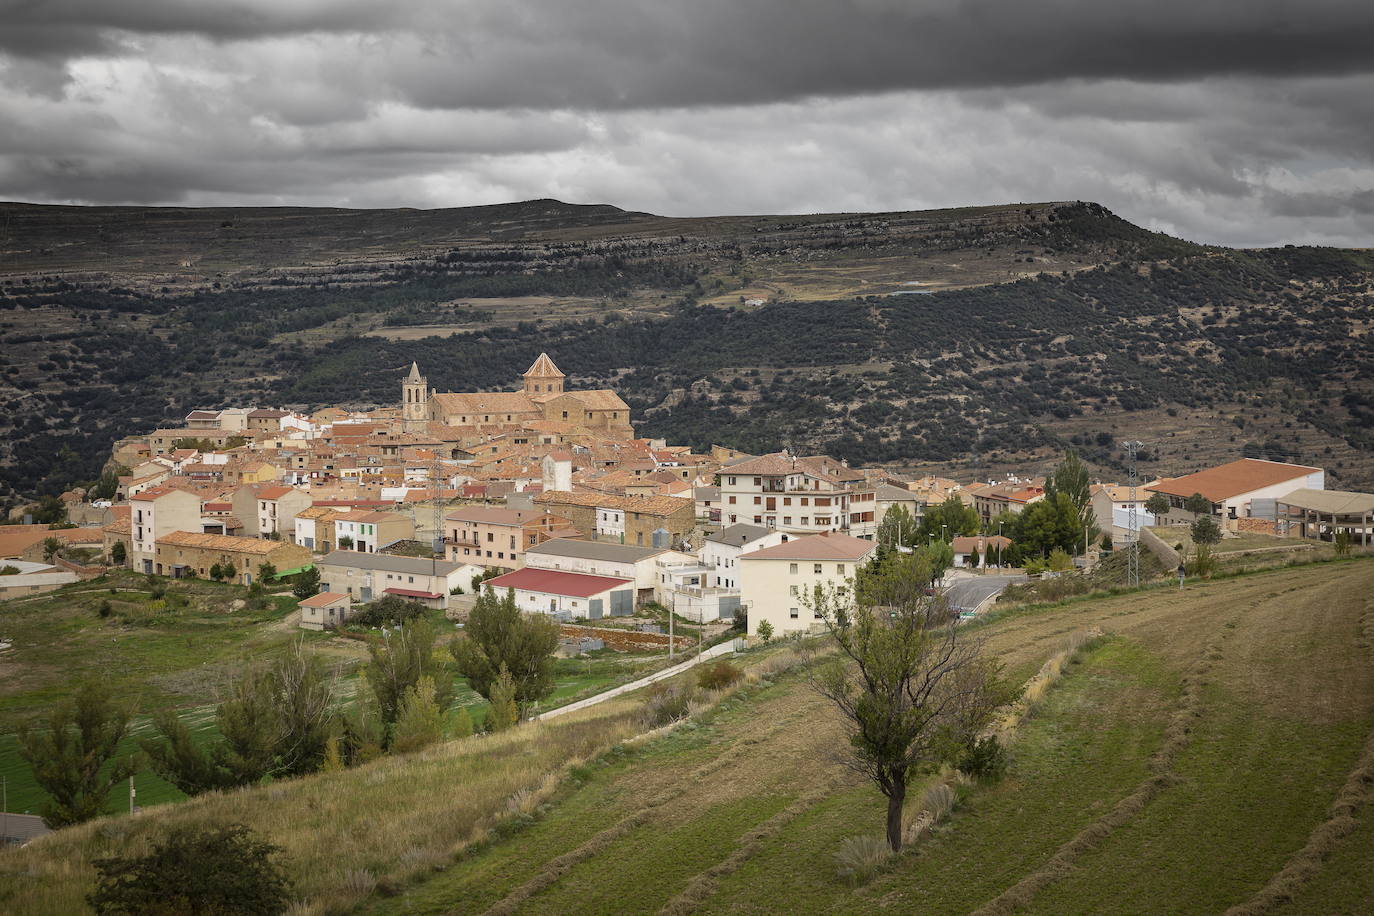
{"points": [[797, 495], [777, 582]]}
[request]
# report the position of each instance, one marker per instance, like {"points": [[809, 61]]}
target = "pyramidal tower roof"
{"points": [[415, 375], [543, 367]]}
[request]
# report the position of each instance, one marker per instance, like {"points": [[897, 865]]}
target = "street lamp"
{"points": [[999, 545]]}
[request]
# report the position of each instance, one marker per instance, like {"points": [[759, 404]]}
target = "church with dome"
{"points": [[543, 401]]}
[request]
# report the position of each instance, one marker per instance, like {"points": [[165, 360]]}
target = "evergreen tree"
{"points": [[398, 663], [69, 756], [420, 721], [499, 636], [950, 519], [503, 712]]}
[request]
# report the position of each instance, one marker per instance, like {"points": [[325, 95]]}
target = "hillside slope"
{"points": [[971, 339], [1199, 749]]}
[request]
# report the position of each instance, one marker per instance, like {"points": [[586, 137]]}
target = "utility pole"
{"points": [[1132, 447], [672, 612], [132, 793]]}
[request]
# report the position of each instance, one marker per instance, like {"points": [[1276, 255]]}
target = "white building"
{"points": [[1248, 488], [796, 495], [640, 565], [776, 582], [721, 551], [568, 595]]}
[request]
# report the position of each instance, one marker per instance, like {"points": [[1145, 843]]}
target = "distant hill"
{"points": [[970, 339]]}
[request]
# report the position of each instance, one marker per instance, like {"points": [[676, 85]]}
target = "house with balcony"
{"points": [[154, 514], [796, 495], [500, 537], [368, 576], [777, 583]]}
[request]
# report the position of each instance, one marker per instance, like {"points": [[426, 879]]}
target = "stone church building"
{"points": [[543, 399]]}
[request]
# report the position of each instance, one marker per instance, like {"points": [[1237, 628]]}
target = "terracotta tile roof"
{"points": [[15, 539], [275, 492], [493, 515], [485, 402], [219, 542], [557, 582], [1233, 479], [543, 367], [646, 505], [764, 465], [154, 493], [828, 546]]}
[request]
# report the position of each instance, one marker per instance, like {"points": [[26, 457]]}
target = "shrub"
{"points": [[985, 758], [765, 631], [860, 857], [420, 721], [222, 870], [718, 675], [106, 609], [937, 802], [1342, 543], [504, 713], [666, 704]]}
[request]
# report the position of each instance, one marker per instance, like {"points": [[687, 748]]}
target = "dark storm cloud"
{"points": [[1236, 121], [604, 54]]}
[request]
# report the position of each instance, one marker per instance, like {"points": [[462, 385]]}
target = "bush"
{"points": [[666, 704], [985, 759], [106, 609], [221, 870], [765, 631], [388, 610], [718, 675], [860, 857]]}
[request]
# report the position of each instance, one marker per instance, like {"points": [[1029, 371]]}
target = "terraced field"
{"points": [[1213, 752]]}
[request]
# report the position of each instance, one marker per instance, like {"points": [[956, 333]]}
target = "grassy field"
{"points": [[1186, 761], [178, 652]]}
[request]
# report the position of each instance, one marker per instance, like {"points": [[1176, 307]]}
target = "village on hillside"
{"points": [[548, 492]]}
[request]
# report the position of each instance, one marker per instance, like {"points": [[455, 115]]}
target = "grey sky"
{"points": [[1231, 121]]}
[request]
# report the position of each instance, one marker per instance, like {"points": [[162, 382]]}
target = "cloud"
{"points": [[1234, 122]]}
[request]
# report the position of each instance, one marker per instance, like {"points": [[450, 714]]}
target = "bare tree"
{"points": [[913, 688]]}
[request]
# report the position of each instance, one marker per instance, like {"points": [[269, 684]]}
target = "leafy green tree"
{"points": [[504, 711], [346, 542], [1205, 530], [388, 610], [266, 572], [1047, 524], [462, 723], [497, 636], [69, 756], [217, 572], [1059, 561], [950, 519], [1198, 504], [1157, 505], [397, 664], [118, 554], [913, 688], [1071, 479], [222, 870], [420, 721], [307, 583], [898, 528], [765, 631]]}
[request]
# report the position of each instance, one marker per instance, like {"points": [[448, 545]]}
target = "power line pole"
{"points": [[1132, 448]]}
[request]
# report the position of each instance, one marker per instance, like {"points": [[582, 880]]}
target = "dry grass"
{"points": [[346, 835], [860, 857]]}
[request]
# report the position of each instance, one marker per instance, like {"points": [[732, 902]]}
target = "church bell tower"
{"points": [[414, 402]]}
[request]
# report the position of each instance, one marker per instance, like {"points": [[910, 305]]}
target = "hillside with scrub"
{"points": [[966, 341], [1197, 750]]}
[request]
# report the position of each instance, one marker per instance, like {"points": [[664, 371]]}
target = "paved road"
{"points": [[722, 649], [967, 594]]}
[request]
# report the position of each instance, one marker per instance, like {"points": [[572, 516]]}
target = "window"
{"points": [[787, 500], [758, 500], [732, 500], [816, 612], [792, 568], [732, 481], [792, 612], [792, 590], [804, 500], [758, 481], [839, 569]]}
